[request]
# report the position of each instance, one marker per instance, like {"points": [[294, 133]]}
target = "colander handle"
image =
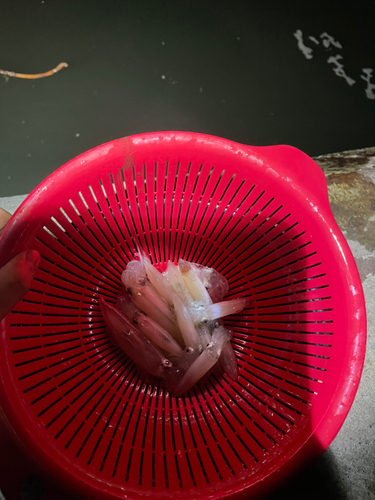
{"points": [[297, 168]]}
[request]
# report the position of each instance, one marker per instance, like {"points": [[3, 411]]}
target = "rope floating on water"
{"points": [[35, 76]]}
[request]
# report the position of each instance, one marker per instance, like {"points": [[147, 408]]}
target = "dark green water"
{"points": [[231, 69]]}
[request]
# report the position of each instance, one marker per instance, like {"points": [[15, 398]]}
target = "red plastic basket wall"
{"points": [[261, 217]]}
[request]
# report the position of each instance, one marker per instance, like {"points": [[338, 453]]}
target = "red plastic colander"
{"points": [[260, 216]]}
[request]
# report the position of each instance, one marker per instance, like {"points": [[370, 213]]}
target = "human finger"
{"points": [[15, 279], [4, 217]]}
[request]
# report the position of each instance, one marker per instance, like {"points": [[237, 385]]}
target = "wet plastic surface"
{"points": [[300, 351]]}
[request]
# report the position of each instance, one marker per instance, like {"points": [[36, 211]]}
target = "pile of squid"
{"points": [[170, 323]]}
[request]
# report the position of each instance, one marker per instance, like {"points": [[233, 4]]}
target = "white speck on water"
{"points": [[238, 38], [163, 43], [306, 51], [223, 100], [163, 77], [42, 141], [370, 86], [200, 90], [77, 134], [339, 68], [329, 40], [9, 177], [29, 155], [313, 39], [23, 122]]}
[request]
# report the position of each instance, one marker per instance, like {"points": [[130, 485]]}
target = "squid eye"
{"points": [[189, 350], [167, 364]]}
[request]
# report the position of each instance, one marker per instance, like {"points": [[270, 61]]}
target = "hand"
{"points": [[16, 275]]}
